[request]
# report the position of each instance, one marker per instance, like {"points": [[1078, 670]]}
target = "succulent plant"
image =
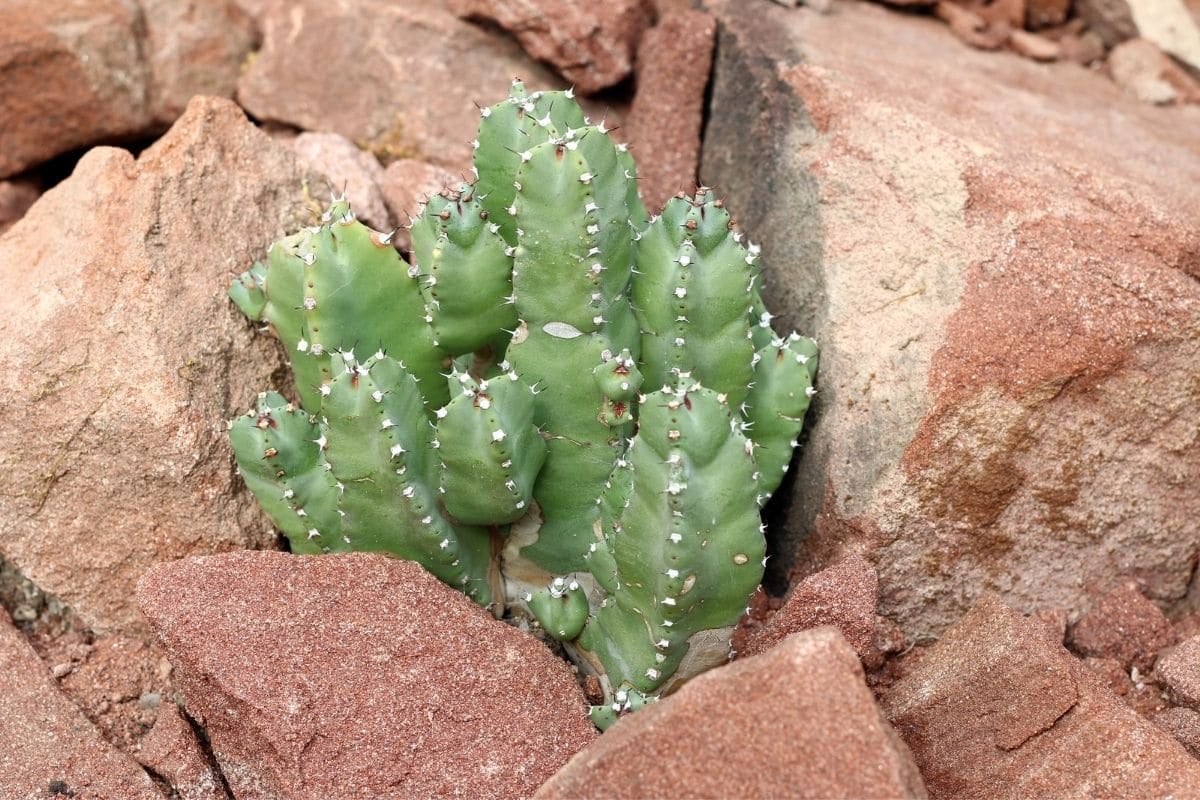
{"points": [[568, 409]]}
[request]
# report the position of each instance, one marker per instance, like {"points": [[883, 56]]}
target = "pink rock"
{"points": [[797, 721], [71, 74], [194, 48], [126, 357], [999, 295], [1179, 671], [47, 747], [1184, 725], [331, 676], [406, 185], [347, 167], [996, 710], [16, 197], [665, 122], [843, 596], [1141, 68], [1125, 626], [592, 45], [397, 77], [171, 750]]}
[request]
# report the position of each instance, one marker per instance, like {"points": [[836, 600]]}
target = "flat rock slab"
{"points": [[797, 721], [998, 709], [999, 260], [360, 675], [126, 358], [47, 747]]}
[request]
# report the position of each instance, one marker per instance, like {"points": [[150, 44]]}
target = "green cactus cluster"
{"points": [[568, 409]]}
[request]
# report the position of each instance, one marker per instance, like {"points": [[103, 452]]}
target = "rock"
{"points": [[1031, 45], [592, 45], [996, 710], [47, 748], [1179, 672], [1111, 20], [126, 358], [397, 77], [16, 197], [406, 185], [1184, 725], [1046, 13], [194, 47], [71, 74], [1139, 67], [971, 28], [843, 596], [358, 172], [1085, 48], [1125, 626], [1143, 696], [1000, 406], [332, 676], [171, 750], [1168, 24], [665, 122], [797, 721]]}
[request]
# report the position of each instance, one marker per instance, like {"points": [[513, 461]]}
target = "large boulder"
{"points": [[797, 721], [125, 358], [47, 747], [360, 675], [1006, 301]]}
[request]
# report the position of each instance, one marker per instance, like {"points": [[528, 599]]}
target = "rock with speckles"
{"points": [[795, 722], [126, 357], [997, 709], [1021, 416], [46, 742], [335, 676]]}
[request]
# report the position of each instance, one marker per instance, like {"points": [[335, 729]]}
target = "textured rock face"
{"points": [[398, 78], [795, 722], [70, 74], [1123, 625], [996, 709], [47, 747], [592, 45], [843, 595], [1179, 671], [360, 675], [674, 63], [126, 358], [1006, 303], [172, 751]]}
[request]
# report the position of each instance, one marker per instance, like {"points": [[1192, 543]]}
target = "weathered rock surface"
{"points": [[592, 45], [70, 74], [1123, 625], [173, 752], [1007, 304], [397, 77], [126, 358], [995, 709], [339, 676], [193, 47], [48, 748], [665, 120], [16, 197], [1141, 68], [1179, 671], [349, 168], [1184, 725], [843, 596], [85, 72], [795, 722]]}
